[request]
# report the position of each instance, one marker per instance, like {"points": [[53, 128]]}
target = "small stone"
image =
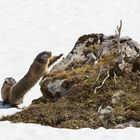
{"points": [[91, 58], [106, 112], [127, 124], [116, 96]]}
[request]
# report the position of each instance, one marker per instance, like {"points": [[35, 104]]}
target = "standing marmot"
{"points": [[38, 68]]}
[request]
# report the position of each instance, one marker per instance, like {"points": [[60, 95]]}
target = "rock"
{"points": [[91, 58], [134, 45], [96, 62], [56, 87], [129, 52], [89, 48], [127, 124], [77, 53], [54, 90], [71, 57], [117, 95], [115, 98], [125, 38], [105, 112]]}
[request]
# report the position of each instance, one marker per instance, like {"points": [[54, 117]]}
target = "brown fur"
{"points": [[38, 68], [5, 90], [53, 59]]}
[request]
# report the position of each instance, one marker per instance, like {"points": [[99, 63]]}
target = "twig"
{"points": [[99, 109], [119, 29], [138, 72], [115, 77], [100, 74], [73, 70], [95, 90], [118, 34]]}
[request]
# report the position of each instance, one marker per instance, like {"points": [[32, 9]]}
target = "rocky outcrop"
{"points": [[91, 49], [96, 85]]}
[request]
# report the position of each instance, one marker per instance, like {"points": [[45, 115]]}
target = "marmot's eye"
{"points": [[5, 81]]}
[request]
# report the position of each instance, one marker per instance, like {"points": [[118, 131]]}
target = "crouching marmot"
{"points": [[39, 67], [5, 90]]}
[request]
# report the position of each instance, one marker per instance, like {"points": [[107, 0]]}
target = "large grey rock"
{"points": [[56, 87], [127, 124], [117, 95], [77, 53], [92, 47]]}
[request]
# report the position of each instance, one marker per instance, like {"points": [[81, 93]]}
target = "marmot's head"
{"points": [[43, 57], [9, 82]]}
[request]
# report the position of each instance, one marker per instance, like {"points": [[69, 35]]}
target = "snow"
{"points": [[28, 27], [37, 132]]}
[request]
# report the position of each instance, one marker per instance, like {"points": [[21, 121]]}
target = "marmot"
{"points": [[5, 90], [38, 68]]}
